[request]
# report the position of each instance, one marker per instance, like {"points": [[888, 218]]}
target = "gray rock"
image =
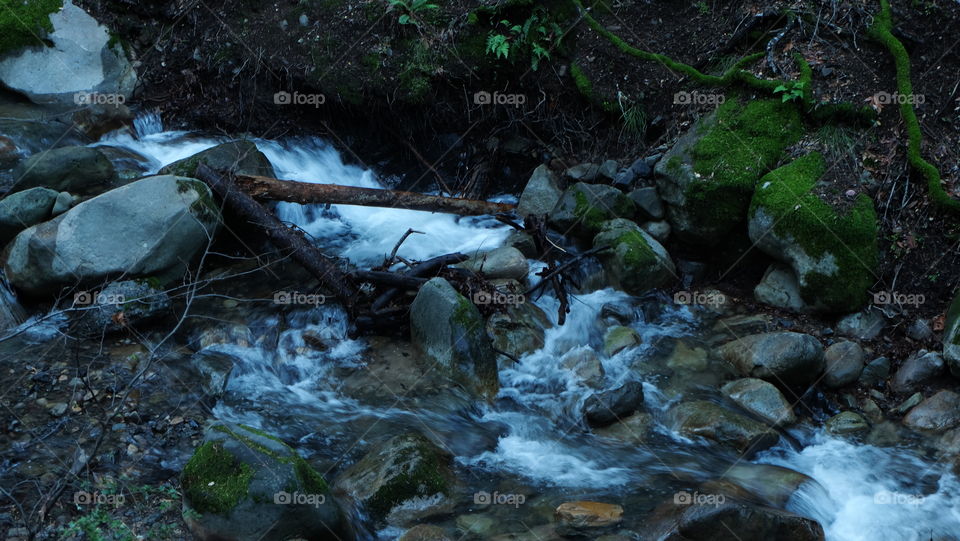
{"points": [[846, 423], [21, 210], [541, 193], [426, 532], [583, 172], [503, 262], [62, 204], [519, 329], [136, 301], [875, 372], [585, 365], [782, 358], [213, 368], [608, 169], [237, 485], [918, 368], [771, 485], [619, 338], [583, 208], [241, 157], [83, 59], [844, 361], [649, 205], [750, 522], [450, 330], [403, 468], [584, 519], [919, 330], [708, 420], [74, 169], [658, 230], [762, 399], [939, 413], [779, 287], [637, 263], [908, 404], [686, 358], [635, 429], [951, 337], [871, 410], [607, 407], [523, 242], [864, 325], [149, 228]]}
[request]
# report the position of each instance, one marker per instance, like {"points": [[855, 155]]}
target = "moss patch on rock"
{"points": [[834, 254], [636, 262], [25, 23], [214, 481]]}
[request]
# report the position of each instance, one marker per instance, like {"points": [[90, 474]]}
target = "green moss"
{"points": [[744, 143], [214, 481], [851, 238], [423, 479], [204, 208], [591, 218], [882, 30], [638, 254], [310, 480], [24, 23]]}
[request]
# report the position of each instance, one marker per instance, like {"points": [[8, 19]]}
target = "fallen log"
{"points": [[303, 251], [304, 193]]}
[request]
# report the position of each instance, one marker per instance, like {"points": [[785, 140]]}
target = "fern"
{"points": [[498, 45]]}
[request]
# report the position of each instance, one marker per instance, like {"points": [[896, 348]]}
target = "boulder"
{"points": [[634, 429], [648, 202], [636, 263], [875, 372], [619, 338], [705, 419], [583, 172], [740, 521], [587, 519], [846, 423], [833, 253], [585, 365], [783, 358], [863, 325], [500, 263], [639, 169], [213, 368], [147, 229], [708, 177], [74, 169], [844, 362], [608, 169], [450, 330], [762, 399], [951, 337], [426, 532], [607, 407], [687, 358], [583, 208], [121, 305], [779, 287], [939, 413], [82, 64], [541, 193], [658, 230], [405, 467], [519, 329], [918, 368], [522, 241], [241, 157], [21, 210], [63, 203], [246, 485], [768, 484]]}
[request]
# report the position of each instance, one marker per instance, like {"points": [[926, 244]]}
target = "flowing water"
{"points": [[531, 439]]}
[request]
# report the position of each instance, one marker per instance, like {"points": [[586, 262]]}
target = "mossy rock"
{"points": [[242, 157], [584, 208], [636, 263], [834, 254], [709, 175], [244, 484], [25, 23], [403, 468]]}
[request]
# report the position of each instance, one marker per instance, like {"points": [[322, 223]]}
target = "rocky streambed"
{"points": [[651, 412]]}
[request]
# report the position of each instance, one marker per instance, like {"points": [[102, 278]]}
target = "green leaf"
{"points": [[780, 88], [404, 19]]}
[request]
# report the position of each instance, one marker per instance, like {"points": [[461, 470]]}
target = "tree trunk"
{"points": [[305, 192]]}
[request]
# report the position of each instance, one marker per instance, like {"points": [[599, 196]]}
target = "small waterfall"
{"points": [[148, 123]]}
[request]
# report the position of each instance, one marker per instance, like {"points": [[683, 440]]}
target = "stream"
{"points": [[531, 439]]}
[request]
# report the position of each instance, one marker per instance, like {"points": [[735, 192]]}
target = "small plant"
{"points": [[632, 115], [793, 92], [411, 10], [702, 7], [538, 34]]}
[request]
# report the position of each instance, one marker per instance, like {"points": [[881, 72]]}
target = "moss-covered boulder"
{"points": [[583, 208], [243, 484], [451, 331], [399, 472], [833, 253], [708, 177], [704, 419], [242, 157], [636, 263]]}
